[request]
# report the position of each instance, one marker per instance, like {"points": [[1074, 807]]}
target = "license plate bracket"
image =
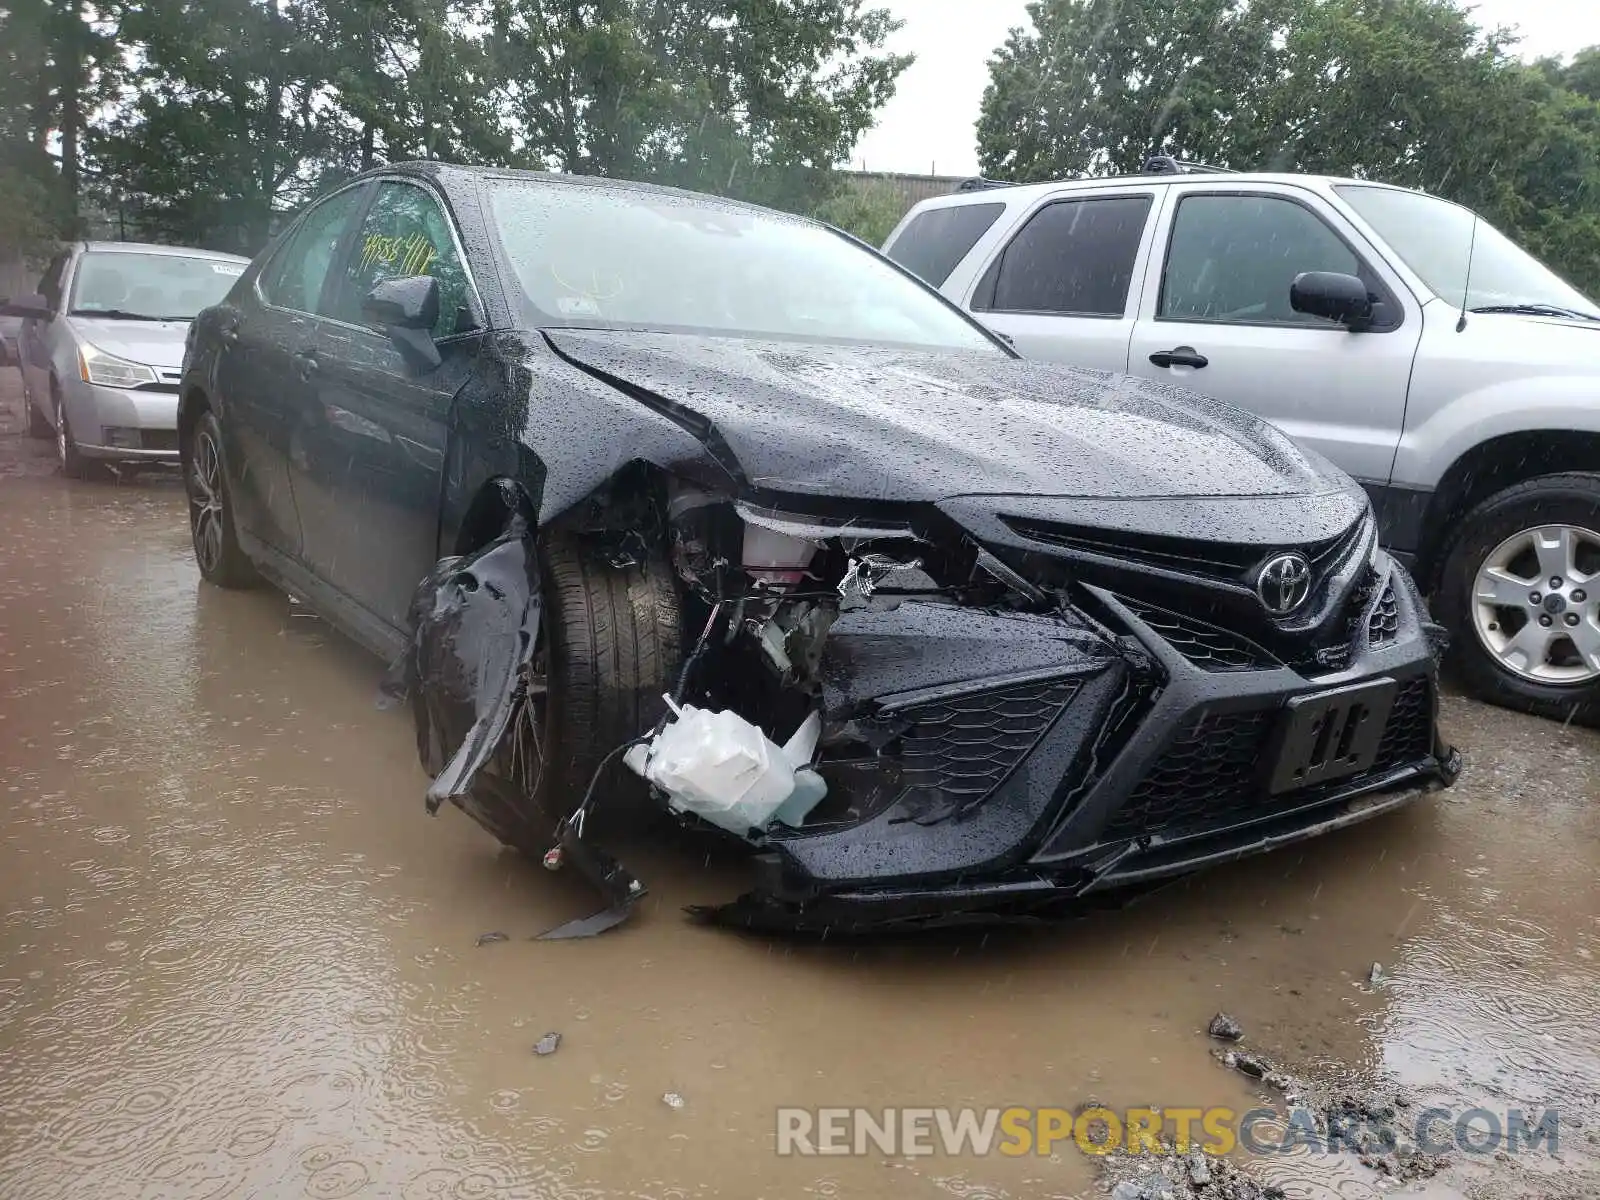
{"points": [[1332, 735]]}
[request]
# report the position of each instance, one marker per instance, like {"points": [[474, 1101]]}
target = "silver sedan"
{"points": [[101, 347]]}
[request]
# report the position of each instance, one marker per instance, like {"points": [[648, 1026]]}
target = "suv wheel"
{"points": [[1521, 594], [216, 546]]}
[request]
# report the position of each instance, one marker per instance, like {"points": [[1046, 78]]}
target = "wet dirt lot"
{"points": [[237, 958]]}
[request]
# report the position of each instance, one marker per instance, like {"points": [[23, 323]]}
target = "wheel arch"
{"points": [[1489, 467], [191, 404]]}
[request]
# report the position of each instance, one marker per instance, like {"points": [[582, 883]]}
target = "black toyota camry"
{"points": [[666, 506]]}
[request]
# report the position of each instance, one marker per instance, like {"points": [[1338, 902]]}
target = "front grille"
{"points": [[158, 439], [966, 745], [1230, 561], [1206, 646], [1216, 773], [1383, 626]]}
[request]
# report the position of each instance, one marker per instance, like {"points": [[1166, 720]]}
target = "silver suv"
{"points": [[1400, 335], [101, 347]]}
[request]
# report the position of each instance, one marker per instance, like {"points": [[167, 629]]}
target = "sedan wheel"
{"points": [[216, 548], [73, 464], [1520, 591]]}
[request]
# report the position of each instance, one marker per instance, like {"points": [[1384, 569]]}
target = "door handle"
{"points": [[306, 363], [1183, 356]]}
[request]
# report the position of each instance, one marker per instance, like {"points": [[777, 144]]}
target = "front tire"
{"points": [[1520, 593], [216, 545], [73, 464]]}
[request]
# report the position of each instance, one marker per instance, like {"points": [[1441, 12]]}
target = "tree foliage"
{"points": [[1412, 92], [205, 121]]}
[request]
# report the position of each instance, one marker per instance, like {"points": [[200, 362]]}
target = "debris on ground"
{"points": [[547, 1044], [1174, 1175], [1224, 1028], [488, 939]]}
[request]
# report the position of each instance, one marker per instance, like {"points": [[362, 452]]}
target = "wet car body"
{"points": [[1031, 611]]}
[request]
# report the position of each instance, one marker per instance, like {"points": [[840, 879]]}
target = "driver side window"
{"points": [[1233, 258], [405, 233]]}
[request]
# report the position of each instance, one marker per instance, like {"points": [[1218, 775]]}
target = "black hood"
{"points": [[873, 423]]}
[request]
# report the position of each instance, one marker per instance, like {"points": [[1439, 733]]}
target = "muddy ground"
{"points": [[237, 959]]}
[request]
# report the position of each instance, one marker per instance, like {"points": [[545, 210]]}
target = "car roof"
{"points": [[992, 191], [448, 175], [95, 247]]}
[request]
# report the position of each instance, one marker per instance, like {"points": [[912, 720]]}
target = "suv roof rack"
{"points": [[979, 184], [1165, 164]]}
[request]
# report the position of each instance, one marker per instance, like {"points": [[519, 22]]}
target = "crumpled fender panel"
{"points": [[467, 674]]}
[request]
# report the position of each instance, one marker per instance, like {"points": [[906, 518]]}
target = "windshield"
{"points": [[1436, 239], [171, 287], [615, 257]]}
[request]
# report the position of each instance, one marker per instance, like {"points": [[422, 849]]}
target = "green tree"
{"points": [[867, 208], [755, 98]]}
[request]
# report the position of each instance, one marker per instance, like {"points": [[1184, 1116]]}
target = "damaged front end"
{"points": [[918, 715]]}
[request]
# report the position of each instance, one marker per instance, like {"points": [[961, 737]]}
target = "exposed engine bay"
{"points": [[907, 727]]}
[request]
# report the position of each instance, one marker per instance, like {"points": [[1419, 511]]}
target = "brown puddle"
{"points": [[237, 958]]}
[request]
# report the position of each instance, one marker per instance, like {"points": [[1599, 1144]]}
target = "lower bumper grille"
{"points": [[1216, 773], [966, 745]]}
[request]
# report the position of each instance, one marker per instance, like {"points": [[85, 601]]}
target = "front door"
{"points": [[370, 477], [262, 376], [1215, 316]]}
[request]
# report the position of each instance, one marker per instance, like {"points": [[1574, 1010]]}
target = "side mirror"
{"points": [[411, 302], [407, 309], [1333, 295], [34, 307]]}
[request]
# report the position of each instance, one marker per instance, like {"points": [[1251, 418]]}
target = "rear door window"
{"points": [[936, 241], [1073, 258]]}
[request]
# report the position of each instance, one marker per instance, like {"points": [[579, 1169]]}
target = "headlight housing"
{"points": [[107, 370]]}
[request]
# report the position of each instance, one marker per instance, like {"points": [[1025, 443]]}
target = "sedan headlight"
{"points": [[96, 366]]}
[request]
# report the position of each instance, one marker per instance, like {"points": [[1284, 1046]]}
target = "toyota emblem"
{"points": [[1284, 583]]}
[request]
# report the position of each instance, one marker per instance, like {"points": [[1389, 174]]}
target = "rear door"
{"points": [[1064, 285], [262, 374], [1215, 316], [370, 478]]}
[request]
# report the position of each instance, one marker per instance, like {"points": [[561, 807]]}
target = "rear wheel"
{"points": [[216, 546], [1521, 595]]}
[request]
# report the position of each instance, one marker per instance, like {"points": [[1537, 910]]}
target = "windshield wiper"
{"points": [[116, 314], [1537, 310]]}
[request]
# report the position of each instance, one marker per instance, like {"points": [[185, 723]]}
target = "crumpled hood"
{"points": [[153, 343], [874, 423]]}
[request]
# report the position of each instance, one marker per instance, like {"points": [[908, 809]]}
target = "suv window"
{"points": [[938, 239], [1232, 259], [1073, 258], [295, 277], [405, 233]]}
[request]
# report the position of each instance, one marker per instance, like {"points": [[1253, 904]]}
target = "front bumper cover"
{"points": [[1157, 765]]}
